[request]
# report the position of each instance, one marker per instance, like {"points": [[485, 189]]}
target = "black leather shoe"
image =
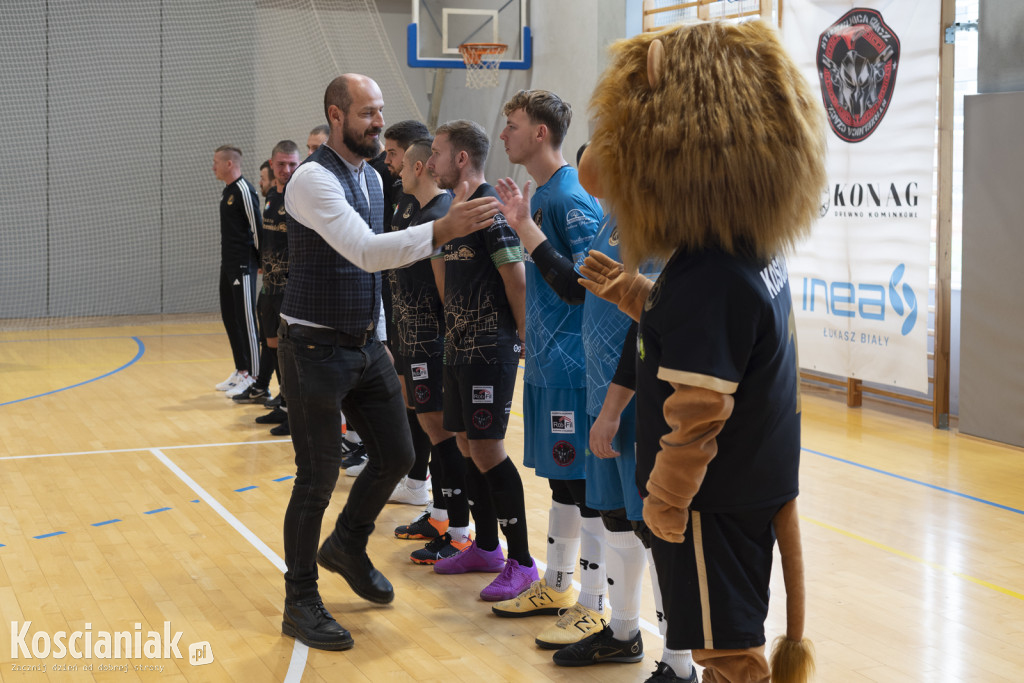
{"points": [[362, 576], [310, 623], [274, 417], [281, 430]]}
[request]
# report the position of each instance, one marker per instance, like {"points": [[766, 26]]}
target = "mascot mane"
{"points": [[724, 150]]}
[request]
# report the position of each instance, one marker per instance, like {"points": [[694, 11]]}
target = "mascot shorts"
{"points": [[714, 585]]}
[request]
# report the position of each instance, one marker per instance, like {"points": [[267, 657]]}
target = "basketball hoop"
{"points": [[482, 63]]}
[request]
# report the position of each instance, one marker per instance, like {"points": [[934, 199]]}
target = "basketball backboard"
{"points": [[439, 26]]}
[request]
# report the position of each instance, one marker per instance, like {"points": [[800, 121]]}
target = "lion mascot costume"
{"points": [[709, 147]]}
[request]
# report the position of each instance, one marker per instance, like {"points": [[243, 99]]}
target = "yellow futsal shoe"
{"points": [[536, 600], [575, 624]]}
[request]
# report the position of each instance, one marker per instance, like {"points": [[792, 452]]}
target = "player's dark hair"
{"points": [[469, 137], [406, 132]]}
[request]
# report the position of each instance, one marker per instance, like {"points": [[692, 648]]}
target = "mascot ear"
{"points": [[655, 63]]}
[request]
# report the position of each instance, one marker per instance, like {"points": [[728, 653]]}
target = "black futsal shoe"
{"points": [[274, 417], [665, 674], [601, 647], [352, 453], [309, 622], [281, 429], [358, 571]]}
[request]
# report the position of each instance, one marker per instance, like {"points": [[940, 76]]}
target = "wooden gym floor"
{"points": [[133, 493]]}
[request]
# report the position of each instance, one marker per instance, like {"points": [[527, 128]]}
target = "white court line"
{"points": [[644, 624], [145, 448], [299, 651]]}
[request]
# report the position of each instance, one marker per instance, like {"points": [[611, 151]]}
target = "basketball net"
{"points": [[482, 63]]}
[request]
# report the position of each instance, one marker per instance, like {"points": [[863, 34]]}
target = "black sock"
{"points": [[482, 506], [437, 478], [420, 446], [507, 491], [452, 478]]}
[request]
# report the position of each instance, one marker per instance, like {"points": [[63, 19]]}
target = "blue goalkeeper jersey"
{"points": [[604, 325], [569, 217]]}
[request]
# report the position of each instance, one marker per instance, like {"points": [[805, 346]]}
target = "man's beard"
{"points": [[359, 145]]}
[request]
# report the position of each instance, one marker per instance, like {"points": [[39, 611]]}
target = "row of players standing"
{"points": [[594, 499]]}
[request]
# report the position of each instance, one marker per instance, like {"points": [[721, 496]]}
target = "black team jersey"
{"points": [[416, 306], [715, 319], [239, 224], [274, 247], [479, 324]]}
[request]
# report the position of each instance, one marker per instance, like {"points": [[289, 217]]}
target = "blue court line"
{"points": [[148, 512], [916, 481], [246, 488], [138, 355]]}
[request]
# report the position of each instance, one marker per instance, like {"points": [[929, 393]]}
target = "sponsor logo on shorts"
{"points": [[419, 372], [563, 422], [564, 453], [483, 394], [422, 393], [508, 408], [482, 419]]}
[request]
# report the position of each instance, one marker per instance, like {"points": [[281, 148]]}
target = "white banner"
{"points": [[860, 283]]}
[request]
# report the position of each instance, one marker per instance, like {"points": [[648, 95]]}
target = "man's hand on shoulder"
{"points": [[465, 217]]}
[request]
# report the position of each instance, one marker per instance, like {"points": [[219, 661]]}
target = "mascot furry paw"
{"points": [[709, 148]]}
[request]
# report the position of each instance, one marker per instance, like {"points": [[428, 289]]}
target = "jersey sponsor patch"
{"points": [[463, 253], [482, 419], [564, 453], [576, 216], [563, 422], [231, 199], [483, 394], [419, 372], [422, 393]]}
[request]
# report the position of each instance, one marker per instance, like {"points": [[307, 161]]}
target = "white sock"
{"points": [[439, 514], [459, 534], [659, 604], [593, 580], [626, 563], [563, 544], [680, 660]]}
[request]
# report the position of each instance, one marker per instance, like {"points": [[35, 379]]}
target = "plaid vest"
{"points": [[323, 286]]}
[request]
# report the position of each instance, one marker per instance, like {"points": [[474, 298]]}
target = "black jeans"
{"points": [[319, 381]]}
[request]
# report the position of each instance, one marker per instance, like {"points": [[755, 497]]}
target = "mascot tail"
{"points": [[792, 658]]}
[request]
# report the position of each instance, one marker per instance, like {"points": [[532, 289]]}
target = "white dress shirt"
{"points": [[315, 198]]}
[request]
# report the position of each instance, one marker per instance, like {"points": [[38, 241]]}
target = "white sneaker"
{"points": [[356, 469], [231, 382], [244, 383], [404, 493]]}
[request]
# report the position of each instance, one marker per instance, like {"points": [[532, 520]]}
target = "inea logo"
{"points": [[850, 300]]}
